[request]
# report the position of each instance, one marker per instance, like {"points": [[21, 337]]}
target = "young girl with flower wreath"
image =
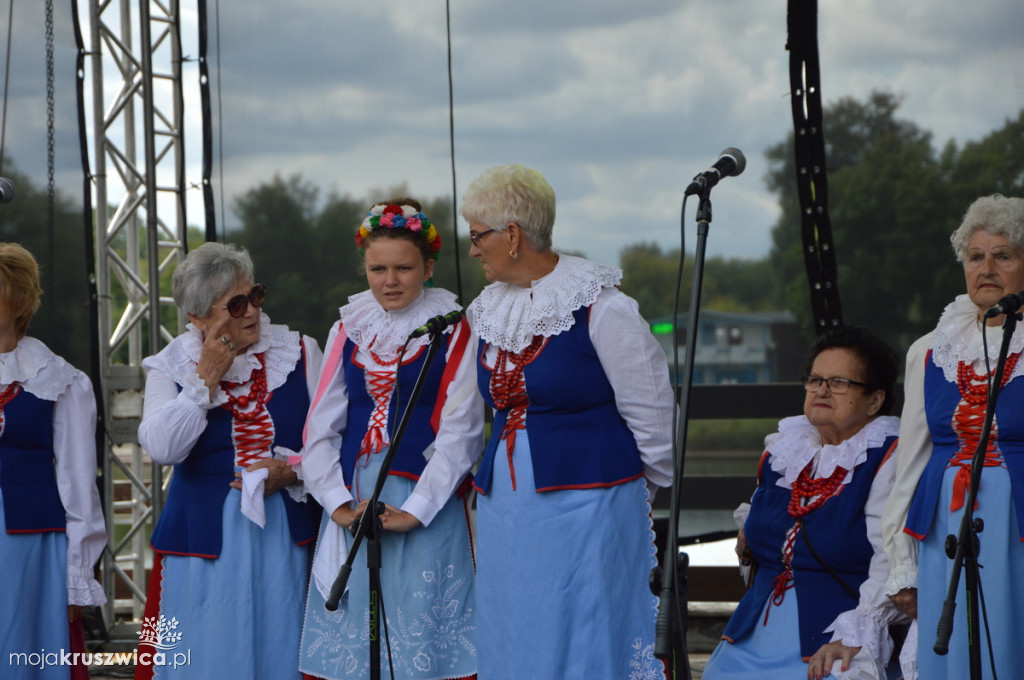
{"points": [[427, 565]]}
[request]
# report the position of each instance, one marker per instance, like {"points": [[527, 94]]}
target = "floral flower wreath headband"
{"points": [[398, 217]]}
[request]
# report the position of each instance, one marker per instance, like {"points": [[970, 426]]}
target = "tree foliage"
{"points": [[62, 321]]}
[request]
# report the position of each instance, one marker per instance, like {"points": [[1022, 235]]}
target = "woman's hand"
{"points": [[281, 475], [74, 612], [392, 519], [398, 521], [743, 551], [345, 516], [906, 601], [820, 665], [217, 354]]}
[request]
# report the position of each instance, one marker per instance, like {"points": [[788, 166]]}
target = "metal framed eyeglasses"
{"points": [[812, 383]]}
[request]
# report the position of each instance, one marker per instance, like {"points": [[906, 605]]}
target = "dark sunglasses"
{"points": [[238, 305]]}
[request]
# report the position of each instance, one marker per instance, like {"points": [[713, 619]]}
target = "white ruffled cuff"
{"points": [[296, 490], [83, 589], [901, 577], [856, 628], [196, 391]]}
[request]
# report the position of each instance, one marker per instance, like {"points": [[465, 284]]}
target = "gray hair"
{"points": [[207, 273], [996, 214], [512, 193]]}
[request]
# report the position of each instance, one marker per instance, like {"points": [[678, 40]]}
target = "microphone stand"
{"points": [[671, 625], [963, 549], [370, 527]]}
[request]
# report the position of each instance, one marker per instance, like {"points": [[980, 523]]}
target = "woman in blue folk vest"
{"points": [[949, 372], [225, 404], [427, 583], [582, 438], [811, 537], [50, 511]]}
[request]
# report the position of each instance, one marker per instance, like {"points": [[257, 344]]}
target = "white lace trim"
{"points": [[281, 349], [957, 338], [364, 319], [509, 316], [39, 371], [797, 443], [856, 628]]}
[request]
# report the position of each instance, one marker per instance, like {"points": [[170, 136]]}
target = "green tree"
{"points": [[63, 320]]}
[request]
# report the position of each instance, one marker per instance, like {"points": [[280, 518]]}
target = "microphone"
{"points": [[1009, 304], [437, 324], [731, 162], [6, 190]]}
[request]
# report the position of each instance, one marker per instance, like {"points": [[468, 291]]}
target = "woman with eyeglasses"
{"points": [[810, 539], [51, 525], [948, 377], [582, 439], [225, 404]]}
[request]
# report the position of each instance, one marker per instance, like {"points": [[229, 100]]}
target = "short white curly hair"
{"points": [[996, 214]]}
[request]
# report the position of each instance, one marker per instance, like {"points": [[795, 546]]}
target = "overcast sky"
{"points": [[618, 103]]}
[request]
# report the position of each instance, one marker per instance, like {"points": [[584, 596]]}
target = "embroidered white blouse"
{"points": [[172, 421], [957, 337], [459, 440], [47, 376], [509, 316]]}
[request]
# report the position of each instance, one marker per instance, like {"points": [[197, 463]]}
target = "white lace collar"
{"points": [[40, 371], [957, 337], [281, 350], [509, 316], [797, 443], [364, 320]]}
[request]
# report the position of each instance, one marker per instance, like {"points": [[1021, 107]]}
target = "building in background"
{"points": [[738, 348]]}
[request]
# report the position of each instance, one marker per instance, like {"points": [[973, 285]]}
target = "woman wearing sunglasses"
{"points": [[225, 404]]}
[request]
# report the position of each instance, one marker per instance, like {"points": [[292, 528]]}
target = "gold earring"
{"points": [[513, 254]]}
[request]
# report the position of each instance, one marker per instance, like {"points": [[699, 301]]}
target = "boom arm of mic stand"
{"points": [[670, 614]]}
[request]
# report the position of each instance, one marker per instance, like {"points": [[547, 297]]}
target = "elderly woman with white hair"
{"points": [[225, 402], [582, 434], [946, 386]]}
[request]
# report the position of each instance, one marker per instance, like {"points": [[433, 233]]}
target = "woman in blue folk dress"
{"points": [[427, 581], [53, 530], [226, 403], [582, 437], [946, 390], [816, 606]]}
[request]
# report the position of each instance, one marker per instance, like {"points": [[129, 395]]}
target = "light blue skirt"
{"points": [[240, 615], [428, 595], [1002, 583], [33, 602], [562, 579], [771, 651]]}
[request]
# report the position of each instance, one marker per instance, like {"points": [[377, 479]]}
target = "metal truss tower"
{"points": [[139, 198]]}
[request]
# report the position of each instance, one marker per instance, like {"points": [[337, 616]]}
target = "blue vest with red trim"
{"points": [[838, 533], [940, 399], [420, 430], [27, 475], [577, 437], [189, 523]]}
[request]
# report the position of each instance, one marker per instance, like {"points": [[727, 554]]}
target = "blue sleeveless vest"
{"points": [[189, 523], [839, 534], [419, 431], [941, 399], [27, 475], [578, 440]]}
